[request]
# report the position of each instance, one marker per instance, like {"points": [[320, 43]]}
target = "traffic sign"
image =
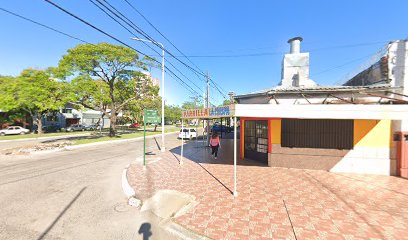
{"points": [[151, 116]]}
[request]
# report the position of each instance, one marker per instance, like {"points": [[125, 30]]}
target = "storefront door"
{"points": [[256, 140]]}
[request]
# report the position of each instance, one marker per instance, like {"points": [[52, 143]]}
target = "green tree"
{"points": [[106, 77], [226, 102], [172, 113], [192, 104], [36, 92]]}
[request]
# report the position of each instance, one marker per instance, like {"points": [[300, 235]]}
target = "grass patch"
{"points": [[119, 136], [30, 135]]}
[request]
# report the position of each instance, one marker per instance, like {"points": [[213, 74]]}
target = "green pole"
{"points": [[144, 142]]}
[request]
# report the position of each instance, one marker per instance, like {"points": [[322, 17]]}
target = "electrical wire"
{"points": [[43, 25], [168, 40], [116, 39], [132, 33]]}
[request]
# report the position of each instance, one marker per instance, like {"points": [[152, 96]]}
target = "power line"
{"points": [[78, 39], [260, 54], [168, 40], [94, 27], [45, 26], [138, 30], [109, 35], [157, 30]]}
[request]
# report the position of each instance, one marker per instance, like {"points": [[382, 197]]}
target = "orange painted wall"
{"points": [[275, 137]]}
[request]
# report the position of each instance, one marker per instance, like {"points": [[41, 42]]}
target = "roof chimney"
{"points": [[295, 44]]}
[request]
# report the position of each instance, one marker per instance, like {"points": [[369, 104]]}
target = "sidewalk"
{"points": [[276, 203]]}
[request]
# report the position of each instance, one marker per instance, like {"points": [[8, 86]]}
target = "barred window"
{"points": [[317, 133]]}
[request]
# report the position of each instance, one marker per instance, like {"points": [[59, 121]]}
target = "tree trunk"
{"points": [[155, 127], [38, 122], [112, 127]]}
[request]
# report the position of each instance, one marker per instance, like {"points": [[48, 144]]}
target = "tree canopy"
{"points": [[107, 78], [36, 92]]}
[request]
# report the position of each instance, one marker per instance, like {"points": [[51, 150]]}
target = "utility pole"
{"points": [[207, 101]]}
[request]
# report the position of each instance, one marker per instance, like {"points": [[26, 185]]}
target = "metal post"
{"points": [[144, 142], [197, 123], [182, 140], [163, 148], [235, 157], [221, 127], [208, 106]]}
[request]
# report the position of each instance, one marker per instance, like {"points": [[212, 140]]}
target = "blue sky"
{"points": [[335, 33]]}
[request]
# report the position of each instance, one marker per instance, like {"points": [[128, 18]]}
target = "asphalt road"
{"points": [[73, 194]]}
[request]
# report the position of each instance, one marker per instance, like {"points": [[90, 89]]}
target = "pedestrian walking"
{"points": [[215, 143]]}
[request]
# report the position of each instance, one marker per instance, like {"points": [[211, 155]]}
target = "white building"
{"points": [[360, 126]]}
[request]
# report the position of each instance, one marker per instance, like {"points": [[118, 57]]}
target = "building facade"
{"points": [[358, 127]]}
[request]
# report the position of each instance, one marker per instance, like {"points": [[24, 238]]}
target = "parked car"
{"points": [[93, 127], [48, 128], [220, 128], [14, 130], [52, 128], [134, 125], [178, 122], [75, 127], [168, 122], [188, 133]]}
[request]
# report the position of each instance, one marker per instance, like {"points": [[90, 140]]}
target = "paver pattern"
{"points": [[276, 203]]}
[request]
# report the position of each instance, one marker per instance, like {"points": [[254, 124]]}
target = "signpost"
{"points": [[149, 116]]}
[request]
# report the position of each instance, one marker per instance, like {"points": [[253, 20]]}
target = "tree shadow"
{"points": [[60, 215]]}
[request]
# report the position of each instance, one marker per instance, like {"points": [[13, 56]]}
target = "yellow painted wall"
{"points": [[372, 133], [275, 131]]}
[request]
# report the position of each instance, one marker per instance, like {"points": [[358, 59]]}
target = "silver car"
{"points": [[14, 130], [76, 127]]}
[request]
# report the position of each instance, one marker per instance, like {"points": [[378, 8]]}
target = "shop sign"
{"points": [[213, 112]]}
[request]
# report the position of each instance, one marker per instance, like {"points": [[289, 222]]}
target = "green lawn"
{"points": [[119, 136], [105, 131], [12, 137]]}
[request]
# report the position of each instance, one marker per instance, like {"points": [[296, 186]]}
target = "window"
{"points": [[67, 110], [319, 133]]}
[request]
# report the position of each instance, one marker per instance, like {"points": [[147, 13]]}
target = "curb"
{"points": [[128, 190]]}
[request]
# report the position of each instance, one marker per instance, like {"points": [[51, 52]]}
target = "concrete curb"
{"points": [[128, 190]]}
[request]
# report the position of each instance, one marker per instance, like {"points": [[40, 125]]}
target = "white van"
{"points": [[187, 133]]}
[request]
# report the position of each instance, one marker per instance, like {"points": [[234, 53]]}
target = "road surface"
{"points": [[74, 194]]}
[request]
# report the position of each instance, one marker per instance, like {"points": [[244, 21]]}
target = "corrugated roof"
{"points": [[317, 89]]}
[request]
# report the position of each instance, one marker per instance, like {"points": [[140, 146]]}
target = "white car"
{"points": [[14, 130], [187, 133]]}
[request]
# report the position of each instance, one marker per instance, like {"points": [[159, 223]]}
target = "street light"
{"points": [[162, 85]]}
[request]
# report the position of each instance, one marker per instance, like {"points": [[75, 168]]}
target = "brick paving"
{"points": [[276, 203]]}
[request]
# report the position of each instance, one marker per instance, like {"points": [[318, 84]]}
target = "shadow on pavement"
{"points": [[145, 230], [60, 215]]}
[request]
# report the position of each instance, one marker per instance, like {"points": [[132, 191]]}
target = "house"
{"points": [[358, 127]]}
